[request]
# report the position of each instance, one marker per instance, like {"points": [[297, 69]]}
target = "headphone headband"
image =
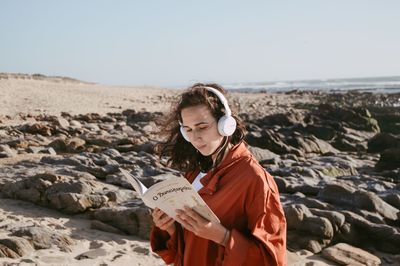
{"points": [[222, 98]]}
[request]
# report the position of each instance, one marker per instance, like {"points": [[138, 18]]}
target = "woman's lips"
{"points": [[201, 147]]}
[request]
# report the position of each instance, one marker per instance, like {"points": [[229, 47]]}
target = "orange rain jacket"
{"points": [[246, 200]]}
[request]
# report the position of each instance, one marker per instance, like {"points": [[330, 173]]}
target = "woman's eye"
{"points": [[188, 130]]}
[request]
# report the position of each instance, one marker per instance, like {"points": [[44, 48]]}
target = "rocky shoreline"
{"points": [[335, 158]]}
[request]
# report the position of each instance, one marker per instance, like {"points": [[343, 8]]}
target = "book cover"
{"points": [[170, 195]]}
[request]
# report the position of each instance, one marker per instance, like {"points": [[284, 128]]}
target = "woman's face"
{"points": [[201, 128]]}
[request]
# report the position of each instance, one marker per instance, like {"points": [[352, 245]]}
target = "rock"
{"points": [[58, 145], [134, 117], [295, 214], [125, 148], [389, 160], [62, 122], [75, 203], [371, 202], [141, 250], [37, 128], [299, 217], [72, 145], [393, 199], [346, 143], [133, 220], [64, 185], [147, 147], [98, 141], [91, 117], [6, 252], [337, 194], [337, 219], [92, 254], [388, 117], [311, 144], [18, 143], [383, 141], [382, 236], [268, 139], [356, 118], [112, 153], [314, 203], [340, 194], [50, 151], [352, 234], [282, 184], [44, 238], [263, 154], [28, 189], [346, 254], [64, 193], [335, 171], [98, 225], [321, 132], [75, 124], [282, 119], [314, 246], [44, 150], [19, 245], [6, 152], [318, 226]]}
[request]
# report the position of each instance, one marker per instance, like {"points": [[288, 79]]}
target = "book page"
{"points": [[172, 194], [136, 184]]}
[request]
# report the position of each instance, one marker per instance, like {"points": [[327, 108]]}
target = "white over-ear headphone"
{"points": [[226, 124]]}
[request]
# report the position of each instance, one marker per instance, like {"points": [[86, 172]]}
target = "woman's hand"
{"points": [[163, 221], [201, 227]]}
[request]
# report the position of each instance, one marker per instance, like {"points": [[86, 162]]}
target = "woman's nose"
{"points": [[196, 134]]}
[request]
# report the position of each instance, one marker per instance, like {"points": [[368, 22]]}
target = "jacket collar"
{"points": [[211, 179]]}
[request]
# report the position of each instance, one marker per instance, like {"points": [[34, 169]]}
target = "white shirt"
{"points": [[196, 183]]}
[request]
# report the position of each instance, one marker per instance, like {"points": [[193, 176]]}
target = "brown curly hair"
{"points": [[181, 153]]}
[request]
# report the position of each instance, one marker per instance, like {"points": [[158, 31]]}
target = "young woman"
{"points": [[205, 140]]}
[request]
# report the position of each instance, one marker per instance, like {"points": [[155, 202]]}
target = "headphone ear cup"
{"points": [[184, 135], [226, 126]]}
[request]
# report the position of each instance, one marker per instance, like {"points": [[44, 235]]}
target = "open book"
{"points": [[170, 195]]}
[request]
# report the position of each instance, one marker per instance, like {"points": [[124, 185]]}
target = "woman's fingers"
{"points": [[169, 223], [187, 217], [156, 213], [192, 221], [165, 220], [160, 218], [186, 224], [195, 216], [192, 216]]}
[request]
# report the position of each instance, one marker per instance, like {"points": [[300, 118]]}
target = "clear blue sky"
{"points": [[171, 42]]}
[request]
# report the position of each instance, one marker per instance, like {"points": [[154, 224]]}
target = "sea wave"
{"points": [[374, 85]]}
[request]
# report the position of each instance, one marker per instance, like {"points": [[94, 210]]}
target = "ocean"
{"points": [[372, 84]]}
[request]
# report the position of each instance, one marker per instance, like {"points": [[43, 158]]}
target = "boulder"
{"points": [[263, 154], [342, 194], [345, 254], [6, 152], [383, 141], [44, 238], [389, 160], [18, 245], [133, 220], [383, 237]]}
